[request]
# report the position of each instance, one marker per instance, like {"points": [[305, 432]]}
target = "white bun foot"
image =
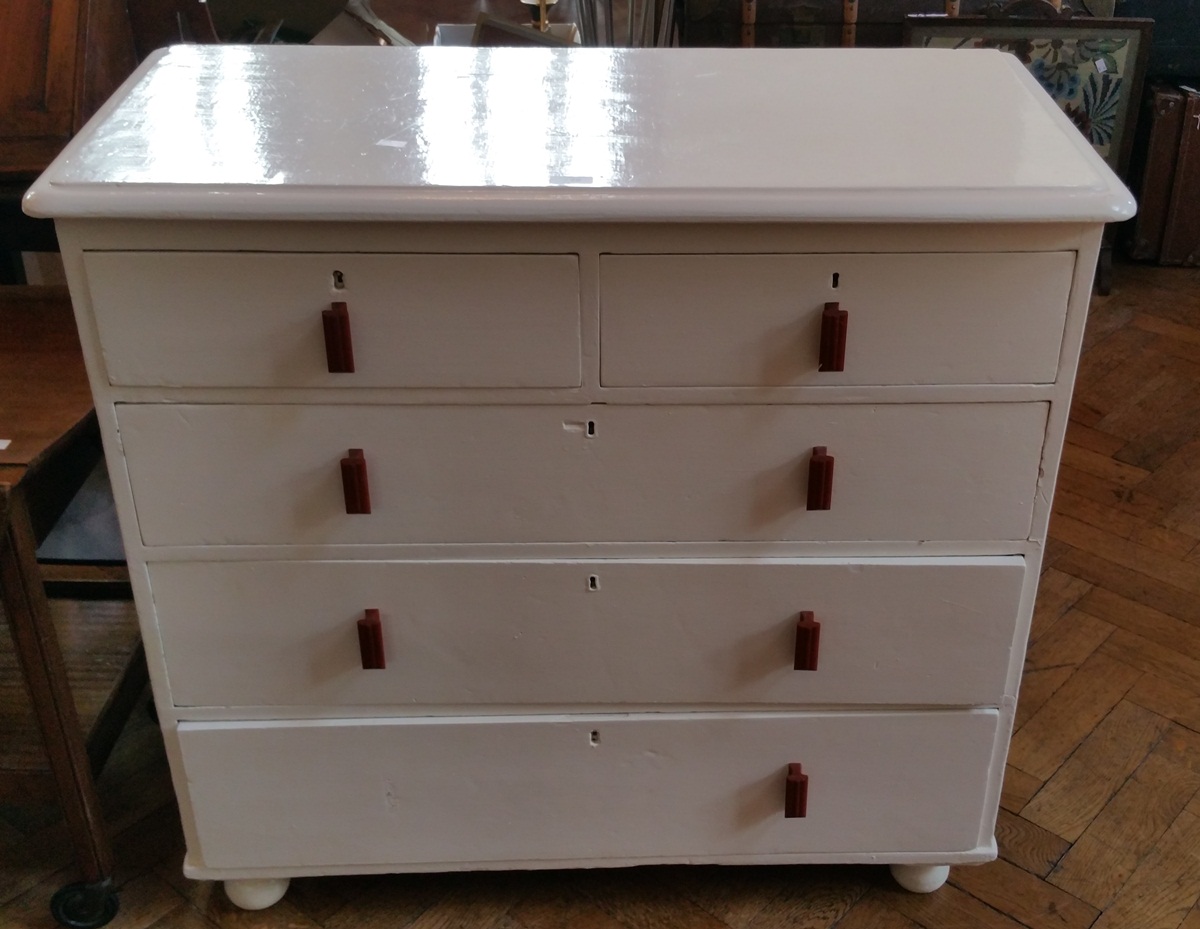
{"points": [[920, 878], [256, 893]]}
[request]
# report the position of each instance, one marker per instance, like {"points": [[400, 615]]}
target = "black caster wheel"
{"points": [[85, 906]]}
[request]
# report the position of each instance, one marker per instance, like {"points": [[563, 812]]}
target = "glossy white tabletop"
{"points": [[580, 134]]}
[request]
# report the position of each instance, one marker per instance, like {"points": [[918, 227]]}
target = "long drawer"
{"points": [[273, 474], [214, 319], [683, 787], [930, 631], [753, 320]]}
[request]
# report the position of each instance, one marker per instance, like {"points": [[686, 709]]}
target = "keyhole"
{"points": [[836, 278], [595, 737], [593, 583], [591, 427], [339, 280]]}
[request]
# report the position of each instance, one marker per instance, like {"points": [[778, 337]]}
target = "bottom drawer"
{"points": [[618, 789]]}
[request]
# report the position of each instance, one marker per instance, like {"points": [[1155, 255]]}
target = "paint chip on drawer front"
{"points": [[5, 443]]}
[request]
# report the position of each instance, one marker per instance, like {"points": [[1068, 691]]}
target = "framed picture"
{"points": [[1093, 68]]}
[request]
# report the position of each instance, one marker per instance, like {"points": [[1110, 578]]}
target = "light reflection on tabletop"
{"points": [[207, 130], [534, 121]]}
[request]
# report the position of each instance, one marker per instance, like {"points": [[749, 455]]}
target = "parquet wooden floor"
{"points": [[1100, 825]]}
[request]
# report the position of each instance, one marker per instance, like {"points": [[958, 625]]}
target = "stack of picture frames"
{"points": [[1092, 67]]}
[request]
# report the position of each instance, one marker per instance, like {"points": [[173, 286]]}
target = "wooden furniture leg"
{"points": [[92, 902], [50, 444]]}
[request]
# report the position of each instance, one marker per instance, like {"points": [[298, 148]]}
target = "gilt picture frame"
{"points": [[1093, 68]]}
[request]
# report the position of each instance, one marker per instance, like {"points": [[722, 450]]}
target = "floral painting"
{"points": [[1092, 68]]}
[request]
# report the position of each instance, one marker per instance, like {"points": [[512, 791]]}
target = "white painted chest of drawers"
{"points": [[534, 458]]}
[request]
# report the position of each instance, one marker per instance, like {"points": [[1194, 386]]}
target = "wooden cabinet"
{"points": [[59, 60], [673, 510]]}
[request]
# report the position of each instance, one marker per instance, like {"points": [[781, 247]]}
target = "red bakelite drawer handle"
{"points": [[339, 349], [820, 479], [834, 321], [354, 482], [795, 800], [370, 641], [808, 641]]}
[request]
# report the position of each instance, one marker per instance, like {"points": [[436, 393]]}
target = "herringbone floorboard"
{"points": [[1100, 824]]}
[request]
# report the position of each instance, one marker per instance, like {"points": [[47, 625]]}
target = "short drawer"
{"points": [[912, 631], [212, 319], [666, 787], [756, 320], [242, 475]]}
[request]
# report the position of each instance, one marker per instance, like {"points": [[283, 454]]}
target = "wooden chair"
{"points": [[49, 443]]}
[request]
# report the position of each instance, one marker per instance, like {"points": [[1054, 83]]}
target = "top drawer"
{"points": [[198, 319], [755, 320]]}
